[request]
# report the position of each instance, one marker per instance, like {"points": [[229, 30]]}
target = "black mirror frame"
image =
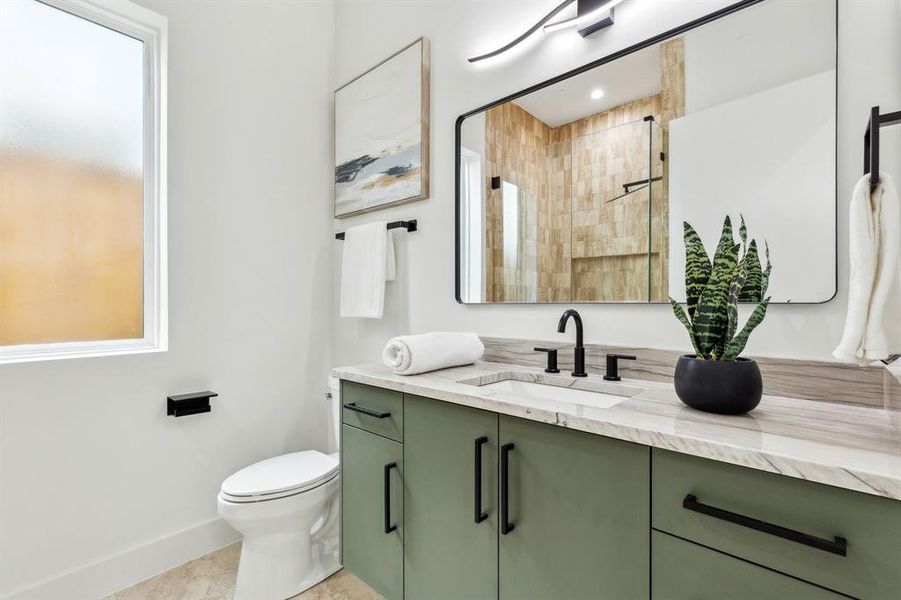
{"points": [[728, 10]]}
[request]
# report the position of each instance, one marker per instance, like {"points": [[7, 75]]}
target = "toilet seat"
{"points": [[280, 476]]}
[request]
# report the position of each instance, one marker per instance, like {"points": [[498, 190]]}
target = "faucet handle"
{"points": [[612, 371], [551, 359]]}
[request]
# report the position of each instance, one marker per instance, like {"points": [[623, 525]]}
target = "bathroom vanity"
{"points": [[497, 481]]}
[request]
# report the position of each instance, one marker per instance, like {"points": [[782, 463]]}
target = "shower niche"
{"points": [[576, 190]]}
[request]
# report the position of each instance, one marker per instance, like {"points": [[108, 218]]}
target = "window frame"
{"points": [[150, 28]]}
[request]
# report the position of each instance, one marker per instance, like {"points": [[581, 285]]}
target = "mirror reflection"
{"points": [[577, 192]]}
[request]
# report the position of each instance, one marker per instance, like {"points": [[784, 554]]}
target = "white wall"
{"points": [[724, 160], [762, 47], [423, 297], [97, 483]]}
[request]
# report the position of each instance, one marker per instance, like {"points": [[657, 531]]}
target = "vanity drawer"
{"points": [[373, 409], [783, 523], [686, 571]]}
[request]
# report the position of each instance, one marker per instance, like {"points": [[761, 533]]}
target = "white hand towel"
{"points": [[367, 262], [412, 354], [874, 292]]}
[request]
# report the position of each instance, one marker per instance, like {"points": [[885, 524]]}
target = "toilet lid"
{"points": [[287, 473]]}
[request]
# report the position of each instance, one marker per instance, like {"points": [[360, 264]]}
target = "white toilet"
{"points": [[287, 509]]}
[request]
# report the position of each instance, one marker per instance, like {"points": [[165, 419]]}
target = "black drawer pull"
{"points": [[389, 527], [477, 481], [367, 411], [506, 525], [838, 546]]}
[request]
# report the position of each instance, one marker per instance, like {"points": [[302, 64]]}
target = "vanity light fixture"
{"points": [[591, 16], [597, 13], [597, 94]]}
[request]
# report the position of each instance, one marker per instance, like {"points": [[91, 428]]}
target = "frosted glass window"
{"points": [[72, 182]]}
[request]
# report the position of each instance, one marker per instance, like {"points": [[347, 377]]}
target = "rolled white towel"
{"points": [[412, 354]]}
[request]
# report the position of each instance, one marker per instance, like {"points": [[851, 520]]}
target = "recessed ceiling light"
{"points": [[597, 94]]}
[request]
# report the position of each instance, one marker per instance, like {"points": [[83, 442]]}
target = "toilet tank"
{"points": [[334, 398]]}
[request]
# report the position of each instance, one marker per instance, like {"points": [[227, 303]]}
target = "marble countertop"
{"points": [[852, 447], [895, 370]]}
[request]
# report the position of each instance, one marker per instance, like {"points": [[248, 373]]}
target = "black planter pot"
{"points": [[727, 388]]}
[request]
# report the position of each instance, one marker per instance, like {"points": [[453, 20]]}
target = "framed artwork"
{"points": [[382, 134]]}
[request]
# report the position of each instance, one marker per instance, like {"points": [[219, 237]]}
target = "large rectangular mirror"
{"points": [[576, 190]]}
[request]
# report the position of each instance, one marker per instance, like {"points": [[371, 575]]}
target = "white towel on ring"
{"points": [[874, 290], [412, 354]]}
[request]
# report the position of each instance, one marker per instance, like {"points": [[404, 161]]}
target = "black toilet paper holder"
{"points": [[194, 403]]}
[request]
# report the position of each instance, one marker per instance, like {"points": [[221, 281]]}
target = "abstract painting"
{"points": [[382, 134]]}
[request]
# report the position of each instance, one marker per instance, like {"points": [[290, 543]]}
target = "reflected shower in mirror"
{"points": [[577, 191]]}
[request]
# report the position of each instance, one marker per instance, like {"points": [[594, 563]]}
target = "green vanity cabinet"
{"points": [[444, 502], [450, 455], [579, 511], [686, 571], [372, 497]]}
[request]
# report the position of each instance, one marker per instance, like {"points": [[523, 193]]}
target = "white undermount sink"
{"points": [[611, 394]]}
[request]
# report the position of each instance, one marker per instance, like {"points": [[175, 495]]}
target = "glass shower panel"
{"points": [[658, 215], [555, 223], [611, 204], [516, 181]]}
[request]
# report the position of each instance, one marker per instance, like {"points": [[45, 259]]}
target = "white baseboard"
{"points": [[118, 572]]}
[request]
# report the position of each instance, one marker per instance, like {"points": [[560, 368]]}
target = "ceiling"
{"points": [[634, 76]]}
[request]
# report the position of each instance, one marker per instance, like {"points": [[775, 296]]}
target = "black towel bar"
{"points": [[871, 142], [408, 225]]}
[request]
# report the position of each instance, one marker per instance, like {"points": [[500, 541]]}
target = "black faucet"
{"points": [[579, 353]]}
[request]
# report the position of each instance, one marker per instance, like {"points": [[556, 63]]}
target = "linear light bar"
{"points": [[593, 14]]}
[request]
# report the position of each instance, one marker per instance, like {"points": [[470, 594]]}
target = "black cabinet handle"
{"points": [[837, 546], [477, 481], [389, 527], [367, 411], [506, 525]]}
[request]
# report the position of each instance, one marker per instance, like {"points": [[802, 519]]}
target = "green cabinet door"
{"points": [[578, 505], [447, 554], [372, 502], [686, 571]]}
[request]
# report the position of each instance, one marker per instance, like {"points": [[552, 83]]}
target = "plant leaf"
{"points": [[739, 279], [697, 267], [743, 232], [765, 278], [711, 320], [680, 314], [752, 291], [737, 345]]}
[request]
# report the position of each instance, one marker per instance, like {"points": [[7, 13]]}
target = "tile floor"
{"points": [[212, 577]]}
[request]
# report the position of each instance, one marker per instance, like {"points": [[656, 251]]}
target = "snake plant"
{"points": [[714, 289]]}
